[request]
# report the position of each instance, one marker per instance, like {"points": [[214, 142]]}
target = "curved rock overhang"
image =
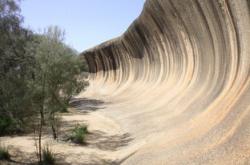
{"points": [[180, 78]]}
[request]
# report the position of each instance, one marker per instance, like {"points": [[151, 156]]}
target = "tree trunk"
{"points": [[42, 122], [52, 124], [54, 131], [40, 141], [42, 117]]}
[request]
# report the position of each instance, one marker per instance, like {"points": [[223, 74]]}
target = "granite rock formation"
{"points": [[178, 80]]}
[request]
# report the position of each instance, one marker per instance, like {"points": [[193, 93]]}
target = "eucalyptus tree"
{"points": [[15, 70], [58, 75]]}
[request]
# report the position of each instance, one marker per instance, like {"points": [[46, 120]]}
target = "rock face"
{"points": [[178, 80]]}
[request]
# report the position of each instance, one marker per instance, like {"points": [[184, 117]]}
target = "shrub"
{"points": [[4, 153], [5, 124], [79, 134], [64, 110], [48, 156]]}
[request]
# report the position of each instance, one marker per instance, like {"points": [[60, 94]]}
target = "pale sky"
{"points": [[86, 22]]}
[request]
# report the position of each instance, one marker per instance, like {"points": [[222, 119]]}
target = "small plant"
{"points": [[79, 134], [4, 153], [48, 156]]}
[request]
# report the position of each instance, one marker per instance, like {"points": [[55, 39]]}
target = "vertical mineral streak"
{"points": [[179, 80]]}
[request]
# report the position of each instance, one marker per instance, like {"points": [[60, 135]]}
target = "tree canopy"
{"points": [[36, 71]]}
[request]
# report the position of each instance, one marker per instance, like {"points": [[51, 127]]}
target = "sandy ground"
{"points": [[103, 141]]}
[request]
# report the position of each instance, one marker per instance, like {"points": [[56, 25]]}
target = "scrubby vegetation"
{"points": [[79, 134], [39, 75], [15, 70], [48, 157], [4, 153]]}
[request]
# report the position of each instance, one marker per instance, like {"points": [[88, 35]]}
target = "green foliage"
{"points": [[48, 156], [79, 133], [39, 74], [15, 69], [6, 125], [57, 74], [4, 153]]}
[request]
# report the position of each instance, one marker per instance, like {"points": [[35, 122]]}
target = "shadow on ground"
{"points": [[21, 158], [86, 159], [85, 104], [94, 140], [99, 140], [106, 142]]}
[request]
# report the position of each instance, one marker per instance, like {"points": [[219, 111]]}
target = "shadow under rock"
{"points": [[85, 104]]}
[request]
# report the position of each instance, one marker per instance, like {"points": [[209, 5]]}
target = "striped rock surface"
{"points": [[178, 81]]}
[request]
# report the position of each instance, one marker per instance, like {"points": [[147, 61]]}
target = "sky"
{"points": [[87, 23]]}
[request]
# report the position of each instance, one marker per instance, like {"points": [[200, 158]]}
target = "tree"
{"points": [[57, 72], [57, 77], [38, 75], [15, 70]]}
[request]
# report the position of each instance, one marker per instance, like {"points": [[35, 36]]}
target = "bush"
{"points": [[4, 153], [48, 156], [5, 125], [64, 110], [9, 126], [79, 134]]}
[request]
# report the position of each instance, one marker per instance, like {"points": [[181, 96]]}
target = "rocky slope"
{"points": [[178, 80]]}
